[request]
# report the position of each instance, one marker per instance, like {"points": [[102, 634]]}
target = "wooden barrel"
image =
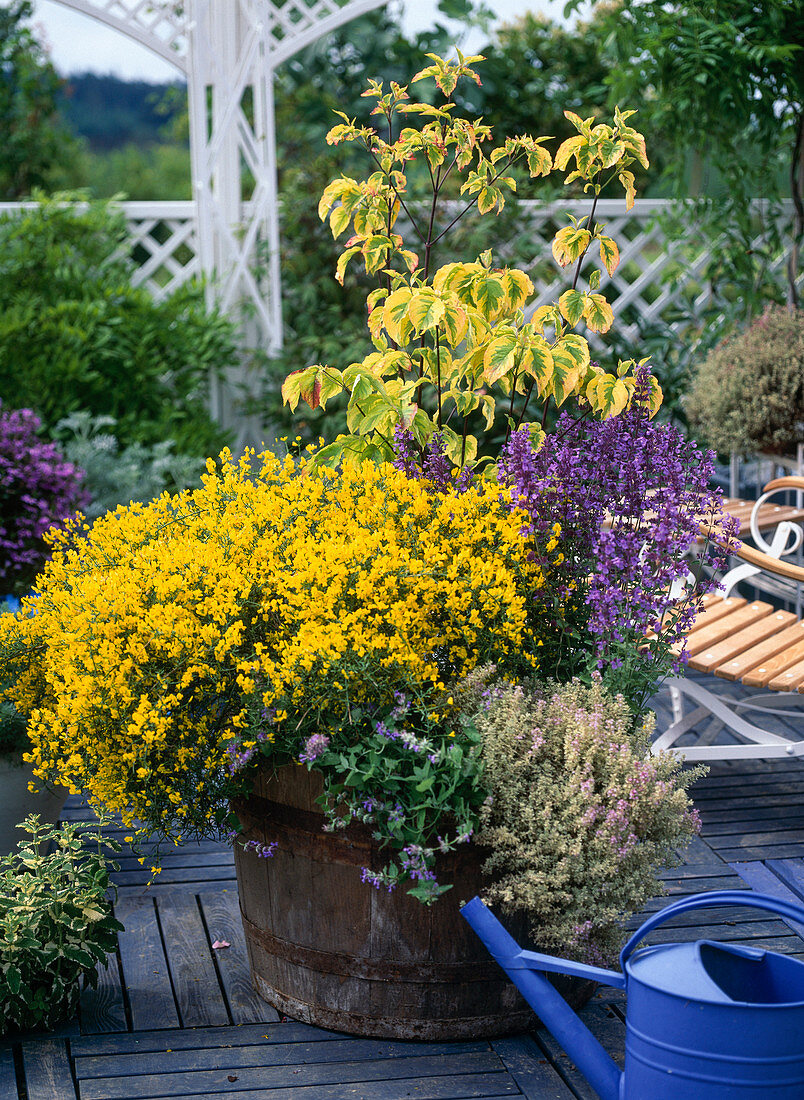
{"points": [[329, 950]]}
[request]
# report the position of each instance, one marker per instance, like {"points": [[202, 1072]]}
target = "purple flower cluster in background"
{"points": [[38, 489], [630, 495]]}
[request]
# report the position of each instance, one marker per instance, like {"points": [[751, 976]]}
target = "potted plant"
{"points": [[56, 922], [748, 393], [312, 650]]}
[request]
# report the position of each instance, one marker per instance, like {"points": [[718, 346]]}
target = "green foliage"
{"points": [[115, 476], [536, 70], [143, 172], [34, 142], [580, 818], [725, 80], [76, 335], [748, 394], [58, 251], [56, 923], [13, 729]]}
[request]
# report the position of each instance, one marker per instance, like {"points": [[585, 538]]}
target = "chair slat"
{"points": [[735, 644], [726, 625], [792, 679], [764, 674], [757, 655], [716, 610]]}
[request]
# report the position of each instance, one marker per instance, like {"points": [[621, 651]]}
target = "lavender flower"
{"points": [[433, 465], [315, 745]]}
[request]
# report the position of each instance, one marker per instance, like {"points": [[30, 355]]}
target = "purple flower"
{"points": [[264, 851], [315, 745], [651, 487], [39, 489], [432, 464]]}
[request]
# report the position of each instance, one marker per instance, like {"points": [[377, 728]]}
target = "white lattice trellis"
{"points": [[655, 277]]}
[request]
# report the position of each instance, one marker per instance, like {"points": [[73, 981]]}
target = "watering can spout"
{"points": [[523, 968]]}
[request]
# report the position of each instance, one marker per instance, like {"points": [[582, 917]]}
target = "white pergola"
{"points": [[228, 50]]}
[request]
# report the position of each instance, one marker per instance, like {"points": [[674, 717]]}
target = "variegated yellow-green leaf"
{"points": [[500, 357], [517, 286], [376, 252], [329, 455], [597, 313], [627, 180], [488, 198], [566, 375], [537, 362], [489, 406], [576, 346], [566, 150], [458, 451], [444, 277], [635, 144], [331, 385], [545, 315], [570, 243], [571, 303], [343, 260], [610, 151], [540, 162], [456, 324], [291, 389], [338, 221], [607, 395], [489, 295], [379, 419], [656, 396], [334, 191], [394, 315], [304, 384], [425, 311], [609, 254]]}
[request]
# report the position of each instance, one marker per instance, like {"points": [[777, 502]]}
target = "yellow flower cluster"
{"points": [[159, 633]]}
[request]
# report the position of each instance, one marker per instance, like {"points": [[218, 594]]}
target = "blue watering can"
{"points": [[705, 1020]]}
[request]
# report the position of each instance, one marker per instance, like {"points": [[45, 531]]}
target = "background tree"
{"points": [[36, 144], [722, 80]]}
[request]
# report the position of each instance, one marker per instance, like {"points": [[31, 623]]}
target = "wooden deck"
{"points": [[175, 1017]]}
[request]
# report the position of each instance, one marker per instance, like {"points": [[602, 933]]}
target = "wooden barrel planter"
{"points": [[329, 950]]}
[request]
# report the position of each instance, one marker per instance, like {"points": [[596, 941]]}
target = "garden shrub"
{"points": [[75, 334], [56, 923], [39, 488], [115, 475], [579, 815], [748, 395]]}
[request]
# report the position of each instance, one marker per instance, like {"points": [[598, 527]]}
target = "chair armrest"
{"points": [[770, 565], [790, 481]]}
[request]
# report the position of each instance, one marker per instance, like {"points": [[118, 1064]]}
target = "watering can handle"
{"points": [[706, 901]]}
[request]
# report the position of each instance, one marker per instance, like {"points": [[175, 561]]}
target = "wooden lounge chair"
{"points": [[752, 644]]}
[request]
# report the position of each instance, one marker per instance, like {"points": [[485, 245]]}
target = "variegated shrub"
{"points": [[453, 340]]}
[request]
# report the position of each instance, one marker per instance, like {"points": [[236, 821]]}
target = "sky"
{"points": [[78, 43]]}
